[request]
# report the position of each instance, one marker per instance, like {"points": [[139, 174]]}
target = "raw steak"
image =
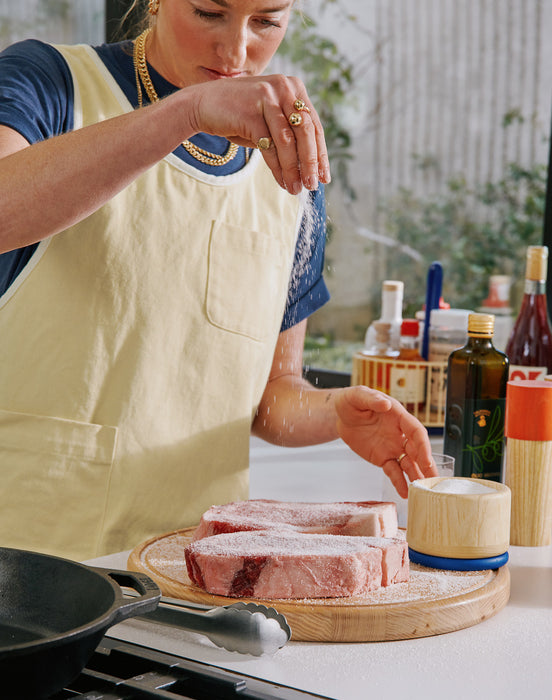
{"points": [[287, 564], [364, 518], [395, 565]]}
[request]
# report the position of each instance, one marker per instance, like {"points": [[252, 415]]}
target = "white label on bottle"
{"points": [[408, 383], [439, 352], [522, 372]]}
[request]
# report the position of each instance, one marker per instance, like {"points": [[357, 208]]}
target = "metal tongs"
{"points": [[247, 628]]}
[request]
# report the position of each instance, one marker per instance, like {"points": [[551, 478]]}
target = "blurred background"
{"points": [[437, 114]]}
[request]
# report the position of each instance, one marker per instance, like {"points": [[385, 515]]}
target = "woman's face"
{"points": [[198, 40]]}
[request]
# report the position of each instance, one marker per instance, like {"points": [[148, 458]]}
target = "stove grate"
{"points": [[125, 671]]}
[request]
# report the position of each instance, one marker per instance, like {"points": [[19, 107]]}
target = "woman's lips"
{"points": [[217, 75]]}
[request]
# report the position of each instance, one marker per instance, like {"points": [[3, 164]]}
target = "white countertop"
{"points": [[507, 656]]}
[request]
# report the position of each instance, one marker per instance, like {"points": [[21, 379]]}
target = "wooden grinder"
{"points": [[466, 530], [529, 460]]}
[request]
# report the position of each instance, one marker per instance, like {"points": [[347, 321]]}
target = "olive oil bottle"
{"points": [[477, 375]]}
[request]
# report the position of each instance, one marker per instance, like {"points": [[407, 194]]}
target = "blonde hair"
{"points": [[135, 19]]}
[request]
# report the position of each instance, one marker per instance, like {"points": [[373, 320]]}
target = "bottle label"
{"points": [[522, 372], [483, 439], [439, 352], [408, 383]]}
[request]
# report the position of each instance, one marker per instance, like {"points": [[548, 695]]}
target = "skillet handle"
{"points": [[149, 593]]}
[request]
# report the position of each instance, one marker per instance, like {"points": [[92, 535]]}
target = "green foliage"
{"points": [[328, 353], [473, 231]]}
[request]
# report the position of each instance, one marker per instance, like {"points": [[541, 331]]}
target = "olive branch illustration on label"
{"points": [[493, 446]]}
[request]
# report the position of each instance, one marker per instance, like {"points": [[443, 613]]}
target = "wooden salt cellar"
{"points": [[458, 525], [529, 460]]}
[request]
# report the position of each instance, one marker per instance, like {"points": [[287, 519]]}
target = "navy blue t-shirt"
{"points": [[36, 99]]}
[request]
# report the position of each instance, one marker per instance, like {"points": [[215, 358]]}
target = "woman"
{"points": [[149, 318]]}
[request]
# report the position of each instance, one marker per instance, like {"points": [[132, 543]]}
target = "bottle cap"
{"points": [[454, 319], [499, 292], [410, 327], [537, 262], [481, 325], [529, 410], [392, 286]]}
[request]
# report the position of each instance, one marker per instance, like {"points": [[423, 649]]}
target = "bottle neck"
{"points": [[391, 307], [535, 286], [480, 339]]}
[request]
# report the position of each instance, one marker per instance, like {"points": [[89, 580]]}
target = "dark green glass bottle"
{"points": [[477, 375]]}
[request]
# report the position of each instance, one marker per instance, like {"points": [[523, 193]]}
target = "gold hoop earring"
{"points": [[153, 7]]}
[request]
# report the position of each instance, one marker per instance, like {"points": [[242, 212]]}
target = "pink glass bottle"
{"points": [[529, 347]]}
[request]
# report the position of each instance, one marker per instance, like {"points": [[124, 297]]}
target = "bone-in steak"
{"points": [[287, 564], [363, 518]]}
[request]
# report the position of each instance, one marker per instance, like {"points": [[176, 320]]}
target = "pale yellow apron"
{"points": [[134, 349]]}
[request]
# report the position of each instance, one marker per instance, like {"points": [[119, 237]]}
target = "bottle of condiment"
{"points": [[379, 370], [408, 378], [529, 347], [447, 331], [498, 304], [391, 312], [477, 376]]}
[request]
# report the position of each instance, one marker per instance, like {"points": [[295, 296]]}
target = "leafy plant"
{"points": [[473, 231]]}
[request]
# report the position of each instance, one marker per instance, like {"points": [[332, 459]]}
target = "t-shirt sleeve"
{"points": [[307, 289], [36, 100], [36, 90]]}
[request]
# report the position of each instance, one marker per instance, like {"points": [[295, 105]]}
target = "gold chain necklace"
{"points": [[143, 78]]}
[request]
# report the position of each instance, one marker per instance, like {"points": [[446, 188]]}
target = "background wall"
{"points": [[70, 21], [443, 88]]}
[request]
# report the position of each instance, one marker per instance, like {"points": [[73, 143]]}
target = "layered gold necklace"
{"points": [[143, 78]]}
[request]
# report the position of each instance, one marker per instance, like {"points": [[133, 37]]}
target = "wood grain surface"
{"points": [[458, 525], [432, 602], [529, 476]]}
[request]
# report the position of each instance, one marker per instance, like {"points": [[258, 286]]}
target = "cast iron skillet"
{"points": [[53, 614]]}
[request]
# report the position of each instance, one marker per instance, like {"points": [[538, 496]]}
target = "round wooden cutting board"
{"points": [[432, 602]]}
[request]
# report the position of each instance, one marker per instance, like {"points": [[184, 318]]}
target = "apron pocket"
{"points": [[54, 483], [247, 276]]}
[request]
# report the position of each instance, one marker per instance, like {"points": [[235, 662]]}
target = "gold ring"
{"points": [[295, 119], [300, 105], [264, 143], [399, 459]]}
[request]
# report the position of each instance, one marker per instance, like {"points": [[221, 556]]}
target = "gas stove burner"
{"points": [[125, 671]]}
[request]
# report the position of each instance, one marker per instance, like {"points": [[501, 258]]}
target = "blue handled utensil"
{"points": [[433, 295]]}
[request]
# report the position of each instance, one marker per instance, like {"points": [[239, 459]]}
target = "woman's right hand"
{"points": [[245, 110]]}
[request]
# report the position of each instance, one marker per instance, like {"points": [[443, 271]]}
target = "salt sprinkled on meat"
{"points": [[363, 518], [287, 564], [272, 543]]}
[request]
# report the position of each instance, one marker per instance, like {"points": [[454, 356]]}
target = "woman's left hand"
{"points": [[380, 429]]}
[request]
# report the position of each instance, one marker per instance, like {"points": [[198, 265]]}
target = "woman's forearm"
{"points": [[293, 413], [53, 184]]}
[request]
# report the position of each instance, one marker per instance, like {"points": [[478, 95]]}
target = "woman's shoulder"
{"points": [[32, 52], [36, 90]]}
